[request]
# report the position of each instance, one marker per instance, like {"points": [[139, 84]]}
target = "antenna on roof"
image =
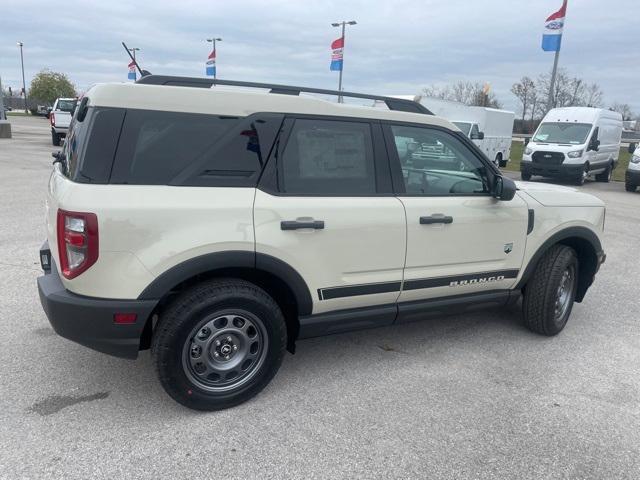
{"points": [[143, 73]]}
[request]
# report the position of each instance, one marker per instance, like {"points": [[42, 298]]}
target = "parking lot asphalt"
{"points": [[473, 396]]}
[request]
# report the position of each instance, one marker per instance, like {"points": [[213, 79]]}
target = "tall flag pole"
{"points": [[337, 54], [211, 63], [132, 65], [211, 59], [551, 42]]}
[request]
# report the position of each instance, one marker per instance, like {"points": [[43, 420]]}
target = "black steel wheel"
{"points": [[218, 344]]}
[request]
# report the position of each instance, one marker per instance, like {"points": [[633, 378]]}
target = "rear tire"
{"points": [[606, 175], [218, 344], [550, 293], [55, 138], [526, 176]]}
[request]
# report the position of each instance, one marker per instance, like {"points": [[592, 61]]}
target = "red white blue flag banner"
{"points": [[337, 49], [552, 36], [132, 71], [211, 64]]}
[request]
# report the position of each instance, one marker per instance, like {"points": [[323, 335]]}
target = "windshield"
{"points": [[66, 105], [568, 133], [464, 126]]}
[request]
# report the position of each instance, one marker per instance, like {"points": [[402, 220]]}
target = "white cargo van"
{"points": [[489, 128], [632, 175], [574, 143]]}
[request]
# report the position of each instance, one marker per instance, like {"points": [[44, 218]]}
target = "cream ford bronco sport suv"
{"points": [[217, 226]]}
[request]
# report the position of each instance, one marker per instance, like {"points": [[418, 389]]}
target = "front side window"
{"points": [[326, 157], [562, 133], [435, 162], [464, 127]]}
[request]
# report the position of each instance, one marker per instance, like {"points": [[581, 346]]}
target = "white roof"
{"points": [[239, 102], [579, 114]]}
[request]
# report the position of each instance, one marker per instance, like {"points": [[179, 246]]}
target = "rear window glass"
{"points": [[90, 145], [65, 105], [155, 146]]}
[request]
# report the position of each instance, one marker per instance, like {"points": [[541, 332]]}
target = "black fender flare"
{"points": [[569, 236], [209, 262]]}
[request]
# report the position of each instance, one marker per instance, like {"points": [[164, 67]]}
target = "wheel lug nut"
{"points": [[235, 347], [218, 343], [228, 339], [227, 357], [216, 354]]}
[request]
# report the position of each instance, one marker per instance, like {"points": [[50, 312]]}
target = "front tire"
{"points": [[582, 176], [550, 293], [218, 344], [525, 176], [630, 187]]}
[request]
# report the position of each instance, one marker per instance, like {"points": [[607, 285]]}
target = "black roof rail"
{"points": [[398, 104]]}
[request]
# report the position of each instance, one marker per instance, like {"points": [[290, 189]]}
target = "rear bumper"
{"points": [[60, 130], [545, 170], [89, 321], [632, 177]]}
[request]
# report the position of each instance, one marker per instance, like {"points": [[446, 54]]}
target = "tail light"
{"points": [[52, 118], [77, 242]]}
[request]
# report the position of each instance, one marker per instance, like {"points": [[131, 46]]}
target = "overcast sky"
{"points": [[397, 47]]}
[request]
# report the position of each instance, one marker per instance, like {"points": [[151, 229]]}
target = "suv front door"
{"points": [[325, 206], [460, 240]]}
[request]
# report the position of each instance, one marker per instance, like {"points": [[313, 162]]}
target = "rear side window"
{"points": [[328, 157], [155, 146]]}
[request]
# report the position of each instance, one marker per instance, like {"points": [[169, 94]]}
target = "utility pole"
{"points": [[24, 85], [133, 51], [213, 41], [342, 24]]}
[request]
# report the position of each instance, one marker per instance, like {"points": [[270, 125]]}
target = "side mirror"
{"points": [[504, 188], [477, 136], [594, 145], [632, 148]]}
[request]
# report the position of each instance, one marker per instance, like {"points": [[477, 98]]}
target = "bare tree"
{"points": [[469, 93], [593, 95], [623, 109], [525, 90]]}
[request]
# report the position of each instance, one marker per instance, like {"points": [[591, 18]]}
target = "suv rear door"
{"points": [[325, 206], [460, 240]]}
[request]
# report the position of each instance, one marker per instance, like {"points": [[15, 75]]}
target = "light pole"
{"points": [[24, 85], [213, 41], [133, 51], [342, 24]]}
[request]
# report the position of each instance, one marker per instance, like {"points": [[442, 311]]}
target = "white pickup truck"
{"points": [[60, 118]]}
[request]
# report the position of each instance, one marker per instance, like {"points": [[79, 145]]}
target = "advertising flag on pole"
{"points": [[211, 64], [552, 36], [132, 71], [337, 49]]}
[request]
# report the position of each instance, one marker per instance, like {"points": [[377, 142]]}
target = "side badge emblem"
{"points": [[508, 247]]}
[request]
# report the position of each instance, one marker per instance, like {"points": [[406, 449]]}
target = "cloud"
{"points": [[396, 47]]}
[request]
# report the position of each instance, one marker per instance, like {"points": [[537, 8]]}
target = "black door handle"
{"points": [[436, 218], [296, 225]]}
